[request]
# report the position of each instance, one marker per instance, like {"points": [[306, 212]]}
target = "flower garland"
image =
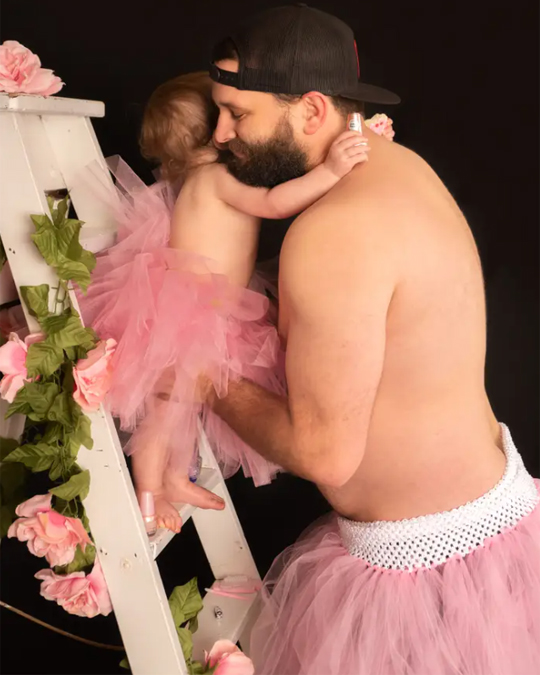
{"points": [[53, 377], [40, 374]]}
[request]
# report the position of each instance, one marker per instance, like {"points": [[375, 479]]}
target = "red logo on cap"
{"points": [[357, 59]]}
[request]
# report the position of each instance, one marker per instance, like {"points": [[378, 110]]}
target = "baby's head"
{"points": [[178, 123]]}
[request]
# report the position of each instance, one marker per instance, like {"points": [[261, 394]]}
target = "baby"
{"points": [[178, 293]]}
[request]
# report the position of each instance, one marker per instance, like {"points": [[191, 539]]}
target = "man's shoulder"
{"points": [[351, 213], [380, 200]]}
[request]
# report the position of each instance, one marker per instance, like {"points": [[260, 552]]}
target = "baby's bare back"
{"points": [[205, 225]]}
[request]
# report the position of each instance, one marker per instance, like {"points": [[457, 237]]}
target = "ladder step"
{"points": [[222, 618], [209, 479]]}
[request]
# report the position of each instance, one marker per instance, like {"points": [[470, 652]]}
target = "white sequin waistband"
{"points": [[433, 539]]}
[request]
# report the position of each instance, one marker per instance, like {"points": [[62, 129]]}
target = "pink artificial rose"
{"points": [[93, 376], [77, 593], [229, 660], [381, 124], [21, 72], [13, 364], [49, 534]]}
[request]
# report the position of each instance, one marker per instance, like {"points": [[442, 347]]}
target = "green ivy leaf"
{"points": [[20, 404], [40, 397], [61, 211], [80, 562], [85, 521], [36, 298], [47, 244], [64, 410], [186, 642], [198, 668], [66, 331], [185, 602], [72, 270], [7, 445], [77, 486], [53, 433], [37, 457], [68, 240], [83, 433], [88, 259], [42, 221], [43, 359], [57, 468], [194, 625], [66, 508]]}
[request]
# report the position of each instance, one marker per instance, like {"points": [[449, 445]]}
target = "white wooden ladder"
{"points": [[44, 144]]}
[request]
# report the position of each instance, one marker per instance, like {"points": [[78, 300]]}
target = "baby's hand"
{"points": [[348, 150], [381, 124]]}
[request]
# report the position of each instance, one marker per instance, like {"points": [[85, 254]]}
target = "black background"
{"points": [[467, 71]]}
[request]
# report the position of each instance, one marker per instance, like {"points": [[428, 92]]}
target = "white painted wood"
{"points": [[209, 479], [136, 590], [231, 623], [84, 171], [45, 144], [52, 105]]}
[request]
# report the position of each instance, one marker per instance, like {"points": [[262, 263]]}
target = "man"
{"points": [[383, 315]]}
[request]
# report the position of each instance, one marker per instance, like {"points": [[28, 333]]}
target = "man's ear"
{"points": [[315, 111]]}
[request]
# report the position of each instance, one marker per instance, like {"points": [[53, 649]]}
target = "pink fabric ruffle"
{"points": [[325, 612], [173, 319]]}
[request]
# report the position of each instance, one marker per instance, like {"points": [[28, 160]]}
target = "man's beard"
{"points": [[266, 163]]}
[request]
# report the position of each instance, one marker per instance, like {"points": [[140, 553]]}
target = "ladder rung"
{"points": [[209, 479], [229, 625]]}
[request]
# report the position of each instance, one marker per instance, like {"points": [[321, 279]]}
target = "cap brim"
{"points": [[368, 93]]}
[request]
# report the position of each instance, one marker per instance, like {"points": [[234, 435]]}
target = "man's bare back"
{"points": [[432, 442]]}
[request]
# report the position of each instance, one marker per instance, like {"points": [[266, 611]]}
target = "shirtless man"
{"points": [[383, 313]]}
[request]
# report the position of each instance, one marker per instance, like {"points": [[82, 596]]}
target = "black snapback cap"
{"points": [[297, 49]]}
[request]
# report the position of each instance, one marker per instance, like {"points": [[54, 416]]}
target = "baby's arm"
{"points": [[294, 196]]}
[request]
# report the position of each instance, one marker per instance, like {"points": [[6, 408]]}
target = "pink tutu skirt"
{"points": [[454, 593], [174, 319]]}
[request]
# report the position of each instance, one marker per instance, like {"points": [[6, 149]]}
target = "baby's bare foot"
{"points": [[180, 490], [167, 515]]}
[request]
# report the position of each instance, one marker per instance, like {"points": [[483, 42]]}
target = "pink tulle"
{"points": [[326, 612], [174, 319]]}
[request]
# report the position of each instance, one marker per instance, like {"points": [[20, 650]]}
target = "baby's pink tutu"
{"points": [[175, 319], [454, 593]]}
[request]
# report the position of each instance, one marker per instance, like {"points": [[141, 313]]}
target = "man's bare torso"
{"points": [[433, 441]]}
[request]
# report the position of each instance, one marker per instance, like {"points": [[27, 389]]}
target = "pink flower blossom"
{"points": [[381, 124], [13, 364], [93, 376], [49, 534], [229, 660], [21, 72], [77, 593]]}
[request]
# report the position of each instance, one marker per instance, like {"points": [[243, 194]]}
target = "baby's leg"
{"points": [[148, 463], [150, 457]]}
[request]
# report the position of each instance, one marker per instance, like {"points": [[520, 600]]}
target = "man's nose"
{"points": [[224, 132]]}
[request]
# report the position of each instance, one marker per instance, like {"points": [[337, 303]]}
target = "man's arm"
{"points": [[337, 281]]}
